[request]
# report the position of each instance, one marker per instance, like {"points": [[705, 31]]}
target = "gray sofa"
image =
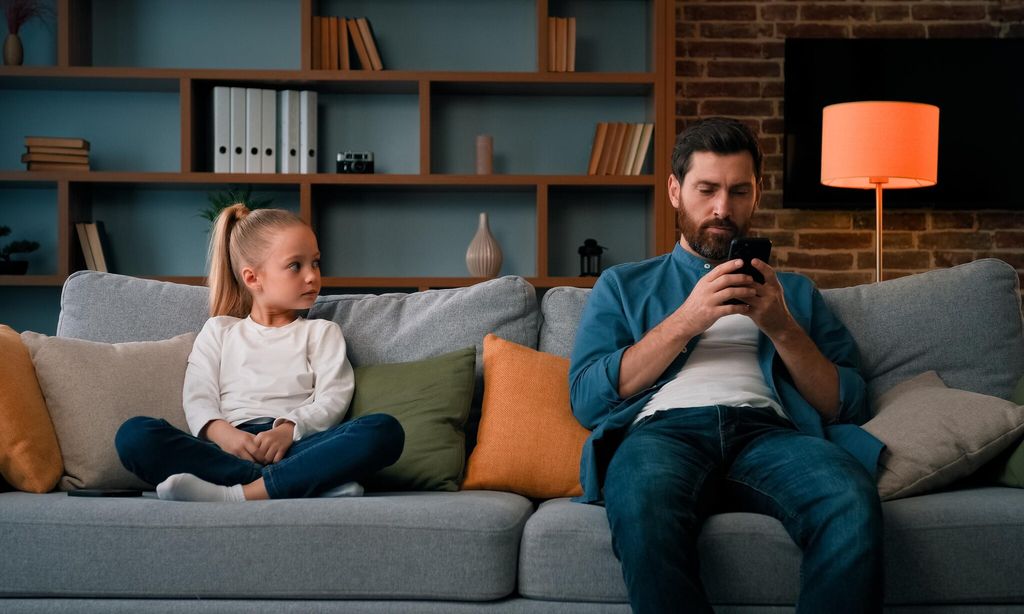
{"points": [[960, 550]]}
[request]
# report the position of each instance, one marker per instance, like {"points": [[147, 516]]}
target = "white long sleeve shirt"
{"points": [[240, 370]]}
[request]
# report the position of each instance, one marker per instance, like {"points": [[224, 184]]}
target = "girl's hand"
{"points": [[272, 445], [233, 441]]}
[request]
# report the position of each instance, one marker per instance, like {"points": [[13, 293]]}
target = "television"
{"points": [[978, 85]]}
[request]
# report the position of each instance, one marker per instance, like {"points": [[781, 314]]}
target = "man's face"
{"points": [[715, 202]]}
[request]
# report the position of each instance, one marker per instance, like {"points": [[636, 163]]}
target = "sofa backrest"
{"points": [[963, 322]]}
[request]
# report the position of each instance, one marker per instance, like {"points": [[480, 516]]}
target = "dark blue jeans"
{"points": [[678, 466], [154, 450]]}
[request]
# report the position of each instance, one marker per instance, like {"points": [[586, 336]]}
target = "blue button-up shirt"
{"points": [[630, 299]]}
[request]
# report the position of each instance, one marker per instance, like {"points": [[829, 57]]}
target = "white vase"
{"points": [[483, 258]]}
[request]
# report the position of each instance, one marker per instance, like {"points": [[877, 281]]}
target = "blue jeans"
{"points": [[679, 466], [154, 450]]}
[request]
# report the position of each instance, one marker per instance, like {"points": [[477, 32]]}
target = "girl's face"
{"points": [[289, 276]]}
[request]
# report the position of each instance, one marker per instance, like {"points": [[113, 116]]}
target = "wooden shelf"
{"points": [[31, 280]]}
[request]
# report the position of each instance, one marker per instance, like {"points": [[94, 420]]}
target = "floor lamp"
{"points": [[879, 145]]}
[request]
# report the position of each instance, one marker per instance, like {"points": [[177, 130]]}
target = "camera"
{"points": [[355, 162]]}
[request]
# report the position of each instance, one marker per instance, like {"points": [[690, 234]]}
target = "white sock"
{"points": [[348, 489], [187, 487]]}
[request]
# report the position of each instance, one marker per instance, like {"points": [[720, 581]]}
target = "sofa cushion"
{"points": [[91, 388], [431, 399], [560, 310], [944, 548], [459, 546], [963, 322], [935, 435], [529, 441], [29, 454]]}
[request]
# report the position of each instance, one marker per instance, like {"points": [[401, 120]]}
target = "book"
{"points": [[595, 151], [315, 34], [64, 159], [641, 152], [357, 41], [611, 148], [83, 240], [332, 52], [371, 45], [570, 43], [552, 43], [344, 61], [56, 166], [68, 151], [624, 150], [49, 141], [95, 232], [325, 42], [561, 29]]}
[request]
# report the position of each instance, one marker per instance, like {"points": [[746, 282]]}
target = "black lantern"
{"points": [[590, 258]]}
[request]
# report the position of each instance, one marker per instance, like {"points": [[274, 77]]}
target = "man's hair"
{"points": [[719, 135]]}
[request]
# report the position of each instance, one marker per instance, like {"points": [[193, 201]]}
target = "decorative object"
{"points": [[222, 200], [484, 154], [893, 145], [14, 267], [483, 258], [590, 258], [17, 13]]}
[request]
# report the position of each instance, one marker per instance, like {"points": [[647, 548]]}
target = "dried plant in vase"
{"points": [[222, 200], [14, 267], [17, 13]]}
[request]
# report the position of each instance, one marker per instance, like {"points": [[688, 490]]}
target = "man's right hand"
{"points": [[233, 441], [706, 303]]}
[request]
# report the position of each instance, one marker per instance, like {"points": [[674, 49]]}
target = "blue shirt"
{"points": [[630, 299]]}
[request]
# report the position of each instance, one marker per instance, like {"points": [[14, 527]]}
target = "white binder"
{"points": [[253, 123], [288, 133], [268, 132], [221, 129], [238, 130], [307, 131]]}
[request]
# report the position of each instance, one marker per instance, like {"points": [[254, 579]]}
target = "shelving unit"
{"points": [[406, 227]]}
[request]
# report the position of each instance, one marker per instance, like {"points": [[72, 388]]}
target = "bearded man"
{"points": [[699, 404]]}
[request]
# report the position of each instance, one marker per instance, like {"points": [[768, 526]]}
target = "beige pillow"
{"points": [[92, 388], [935, 435]]}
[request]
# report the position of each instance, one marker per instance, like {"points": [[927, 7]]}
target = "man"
{"points": [[696, 404]]}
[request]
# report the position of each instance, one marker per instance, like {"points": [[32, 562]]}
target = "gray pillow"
{"points": [[91, 388], [935, 435]]}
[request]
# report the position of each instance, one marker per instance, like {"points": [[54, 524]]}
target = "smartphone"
{"points": [[105, 492], [748, 248]]}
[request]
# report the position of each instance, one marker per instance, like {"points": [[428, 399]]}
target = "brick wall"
{"points": [[729, 57]]}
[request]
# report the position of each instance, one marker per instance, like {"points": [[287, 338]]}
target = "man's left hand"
{"points": [[768, 307]]}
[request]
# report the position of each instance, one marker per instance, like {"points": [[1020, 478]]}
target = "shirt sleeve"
{"points": [[837, 344], [201, 392], [334, 383]]}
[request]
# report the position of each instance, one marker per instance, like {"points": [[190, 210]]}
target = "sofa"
{"points": [[958, 548]]}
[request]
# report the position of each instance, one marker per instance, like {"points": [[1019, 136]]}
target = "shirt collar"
{"points": [[688, 261]]}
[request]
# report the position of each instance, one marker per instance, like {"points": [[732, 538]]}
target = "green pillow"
{"points": [[1013, 472], [431, 399]]}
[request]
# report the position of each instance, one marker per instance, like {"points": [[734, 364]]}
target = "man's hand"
{"points": [[768, 305], [233, 441], [273, 444], [706, 304]]}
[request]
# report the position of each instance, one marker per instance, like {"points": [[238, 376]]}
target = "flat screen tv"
{"points": [[978, 85]]}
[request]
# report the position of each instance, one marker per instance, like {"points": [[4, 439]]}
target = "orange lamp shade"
{"points": [[868, 143]]}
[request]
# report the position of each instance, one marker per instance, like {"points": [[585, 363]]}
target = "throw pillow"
{"points": [[29, 455], [529, 441], [91, 388], [935, 435], [431, 399]]}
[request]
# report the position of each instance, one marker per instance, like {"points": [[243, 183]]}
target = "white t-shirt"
{"points": [[723, 370], [240, 370]]}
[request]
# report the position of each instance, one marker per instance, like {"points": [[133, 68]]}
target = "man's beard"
{"points": [[711, 246]]}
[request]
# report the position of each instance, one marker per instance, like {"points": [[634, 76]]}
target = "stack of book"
{"points": [[264, 131], [44, 153], [619, 148], [561, 44], [331, 44], [91, 240]]}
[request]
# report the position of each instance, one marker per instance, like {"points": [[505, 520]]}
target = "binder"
{"points": [[371, 46], [83, 240], [221, 129], [237, 129], [288, 137], [268, 132], [253, 123], [307, 131]]}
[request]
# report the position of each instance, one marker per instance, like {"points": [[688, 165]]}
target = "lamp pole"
{"points": [[878, 181]]}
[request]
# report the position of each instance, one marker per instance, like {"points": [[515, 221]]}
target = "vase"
{"points": [[483, 258], [13, 51]]}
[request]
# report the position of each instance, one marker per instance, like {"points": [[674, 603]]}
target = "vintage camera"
{"points": [[355, 162]]}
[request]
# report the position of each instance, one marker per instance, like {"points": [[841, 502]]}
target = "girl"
{"points": [[265, 389]]}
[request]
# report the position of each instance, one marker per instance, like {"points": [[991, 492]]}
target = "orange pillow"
{"points": [[529, 442], [30, 458]]}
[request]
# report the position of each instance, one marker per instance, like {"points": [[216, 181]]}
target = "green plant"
{"points": [[222, 200], [15, 247], [18, 12]]}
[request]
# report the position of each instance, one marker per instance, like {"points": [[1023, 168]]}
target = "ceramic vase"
{"points": [[483, 258], [13, 51]]}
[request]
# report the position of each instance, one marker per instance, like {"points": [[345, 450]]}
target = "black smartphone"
{"points": [[748, 248], [105, 492]]}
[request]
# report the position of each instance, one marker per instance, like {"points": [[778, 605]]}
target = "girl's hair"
{"points": [[240, 238]]}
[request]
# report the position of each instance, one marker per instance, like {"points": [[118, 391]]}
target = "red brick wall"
{"points": [[729, 57]]}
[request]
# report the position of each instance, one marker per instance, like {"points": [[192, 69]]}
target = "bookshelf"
{"points": [[452, 69]]}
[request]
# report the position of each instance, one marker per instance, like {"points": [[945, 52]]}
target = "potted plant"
{"points": [[222, 200], [14, 267], [17, 12]]}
